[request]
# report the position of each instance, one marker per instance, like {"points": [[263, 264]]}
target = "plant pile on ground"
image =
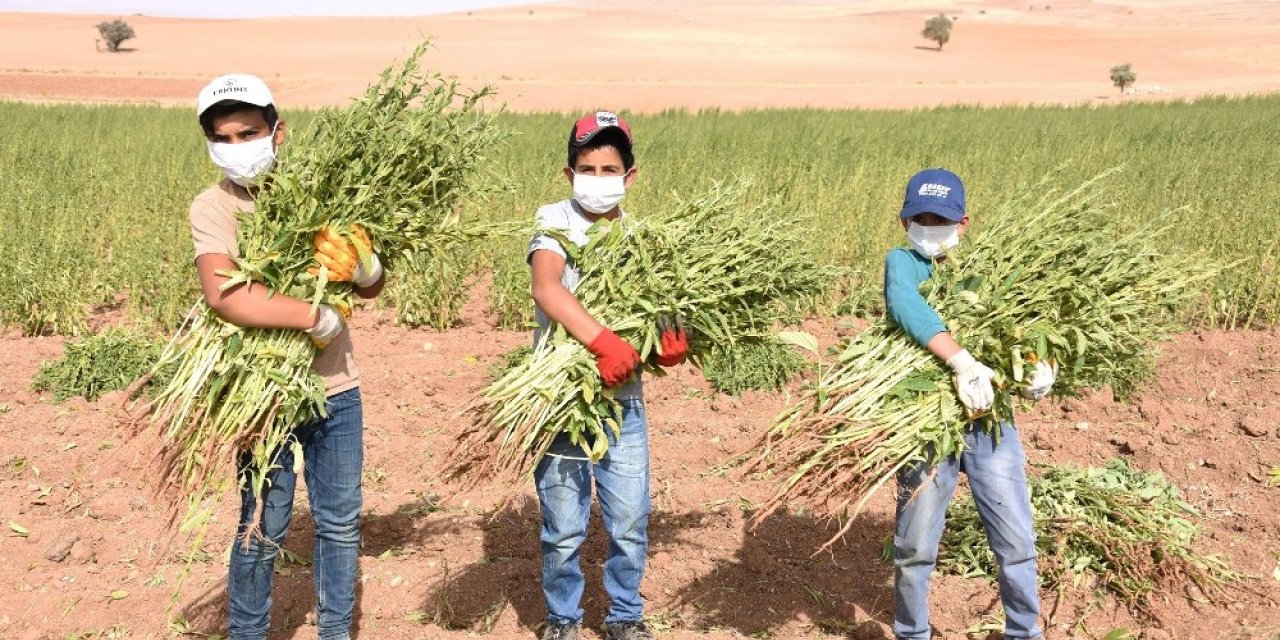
{"points": [[100, 363], [1116, 529], [764, 364]]}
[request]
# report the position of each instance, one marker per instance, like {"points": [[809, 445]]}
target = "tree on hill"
{"points": [[1122, 76], [115, 32], [937, 29]]}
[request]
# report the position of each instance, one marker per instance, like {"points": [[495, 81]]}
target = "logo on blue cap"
{"points": [[936, 191]]}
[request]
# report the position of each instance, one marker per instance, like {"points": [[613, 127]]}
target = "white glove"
{"points": [[367, 272], [973, 382], [328, 325], [1041, 381]]}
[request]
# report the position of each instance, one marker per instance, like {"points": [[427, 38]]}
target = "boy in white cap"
{"points": [[934, 216], [244, 132], [600, 168]]}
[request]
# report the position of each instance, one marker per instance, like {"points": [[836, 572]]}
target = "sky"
{"points": [[255, 8]]}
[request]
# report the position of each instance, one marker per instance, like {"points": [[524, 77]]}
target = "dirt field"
{"points": [[649, 56], [434, 555], [437, 556]]}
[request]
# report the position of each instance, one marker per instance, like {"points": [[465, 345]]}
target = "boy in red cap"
{"points": [[600, 169]]}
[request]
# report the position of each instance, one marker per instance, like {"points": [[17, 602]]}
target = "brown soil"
{"points": [[437, 556], [650, 56]]}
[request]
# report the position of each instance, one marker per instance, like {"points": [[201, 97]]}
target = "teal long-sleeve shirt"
{"points": [[904, 270]]}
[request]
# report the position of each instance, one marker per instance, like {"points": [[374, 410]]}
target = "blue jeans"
{"points": [[333, 452], [998, 480], [564, 480]]}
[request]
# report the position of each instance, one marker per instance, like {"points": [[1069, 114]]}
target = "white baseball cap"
{"points": [[240, 87]]}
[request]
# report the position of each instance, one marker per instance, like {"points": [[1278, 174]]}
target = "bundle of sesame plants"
{"points": [[1049, 275], [1113, 529], [398, 162], [727, 270]]}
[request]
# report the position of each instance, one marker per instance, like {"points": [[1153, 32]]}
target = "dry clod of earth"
{"points": [[61, 547], [869, 630], [82, 552], [1123, 446], [1253, 426]]}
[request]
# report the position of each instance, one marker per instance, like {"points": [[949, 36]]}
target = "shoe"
{"points": [[627, 630], [560, 631]]}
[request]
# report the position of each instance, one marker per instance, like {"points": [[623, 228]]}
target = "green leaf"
{"points": [[801, 339], [18, 529], [919, 383], [599, 447]]}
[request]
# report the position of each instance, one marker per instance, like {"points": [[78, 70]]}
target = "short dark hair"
{"points": [[612, 137], [228, 107]]}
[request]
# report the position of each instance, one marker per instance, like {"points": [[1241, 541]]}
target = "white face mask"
{"points": [[245, 162], [598, 194], [932, 242]]}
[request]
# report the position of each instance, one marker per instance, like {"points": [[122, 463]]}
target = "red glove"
{"points": [[614, 358], [675, 346], [673, 340]]}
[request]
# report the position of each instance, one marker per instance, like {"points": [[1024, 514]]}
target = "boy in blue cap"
{"points": [[934, 216]]}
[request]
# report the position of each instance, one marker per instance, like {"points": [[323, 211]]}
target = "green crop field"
{"points": [[94, 198]]}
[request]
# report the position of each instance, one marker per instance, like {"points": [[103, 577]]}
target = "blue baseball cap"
{"points": [[935, 191]]}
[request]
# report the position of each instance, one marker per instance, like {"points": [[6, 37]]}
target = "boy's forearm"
{"points": [[250, 306], [564, 308], [943, 345]]}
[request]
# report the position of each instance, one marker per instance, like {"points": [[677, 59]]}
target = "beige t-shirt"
{"points": [[213, 229]]}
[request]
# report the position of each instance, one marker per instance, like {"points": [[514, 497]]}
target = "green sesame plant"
{"points": [[1047, 275]]}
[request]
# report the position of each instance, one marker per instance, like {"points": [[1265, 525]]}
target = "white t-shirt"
{"points": [[567, 215]]}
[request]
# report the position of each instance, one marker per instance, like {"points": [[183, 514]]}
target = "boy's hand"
{"points": [[973, 382], [329, 323], [615, 359], [1041, 381], [342, 258], [674, 342]]}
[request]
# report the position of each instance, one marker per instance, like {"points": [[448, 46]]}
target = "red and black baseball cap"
{"points": [[591, 125]]}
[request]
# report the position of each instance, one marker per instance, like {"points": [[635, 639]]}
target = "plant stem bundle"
{"points": [[398, 162], [729, 271]]}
